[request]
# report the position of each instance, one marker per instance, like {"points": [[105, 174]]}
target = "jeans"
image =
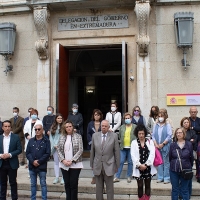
{"points": [[7, 172], [33, 177], [125, 153], [71, 182], [163, 170], [177, 181]]}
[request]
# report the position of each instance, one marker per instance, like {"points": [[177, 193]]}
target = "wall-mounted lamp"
{"points": [[7, 43], [184, 28]]}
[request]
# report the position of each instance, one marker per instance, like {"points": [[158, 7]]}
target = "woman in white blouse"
{"points": [[70, 149], [143, 154], [114, 117]]}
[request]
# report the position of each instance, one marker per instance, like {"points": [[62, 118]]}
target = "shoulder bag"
{"points": [[187, 174]]}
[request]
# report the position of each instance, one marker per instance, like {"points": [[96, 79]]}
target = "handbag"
{"points": [[158, 158], [187, 174]]}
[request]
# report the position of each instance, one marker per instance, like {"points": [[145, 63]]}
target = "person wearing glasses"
{"points": [[70, 150], [37, 152], [126, 136], [93, 127], [137, 117], [180, 148]]}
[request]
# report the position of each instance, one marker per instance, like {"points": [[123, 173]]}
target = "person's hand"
{"points": [[28, 137], [74, 130], [156, 146], [35, 163], [142, 167], [110, 129], [192, 140], [116, 170], [48, 133], [67, 162], [55, 146], [160, 146], [6, 155]]}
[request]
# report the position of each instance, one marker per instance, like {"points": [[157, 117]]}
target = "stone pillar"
{"points": [[41, 20], [142, 10]]}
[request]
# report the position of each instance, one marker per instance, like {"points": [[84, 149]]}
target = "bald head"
{"points": [[193, 112]]}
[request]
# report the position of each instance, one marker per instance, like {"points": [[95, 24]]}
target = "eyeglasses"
{"points": [[37, 129], [68, 126]]}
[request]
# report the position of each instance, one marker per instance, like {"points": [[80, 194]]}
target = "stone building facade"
{"points": [[79, 51]]}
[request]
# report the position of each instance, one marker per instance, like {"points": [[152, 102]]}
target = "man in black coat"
{"points": [[76, 118]]}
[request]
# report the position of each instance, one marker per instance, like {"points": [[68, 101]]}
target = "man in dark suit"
{"points": [[10, 148], [1, 130], [17, 128], [104, 159]]}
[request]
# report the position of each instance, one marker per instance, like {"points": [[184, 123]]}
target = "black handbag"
{"points": [[187, 174]]}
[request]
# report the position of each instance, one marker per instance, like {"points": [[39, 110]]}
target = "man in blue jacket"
{"points": [[38, 152], [10, 148]]}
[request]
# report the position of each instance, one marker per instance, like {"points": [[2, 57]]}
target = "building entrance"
{"points": [[95, 79]]}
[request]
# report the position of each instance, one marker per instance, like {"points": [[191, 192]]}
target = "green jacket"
{"points": [[122, 133]]}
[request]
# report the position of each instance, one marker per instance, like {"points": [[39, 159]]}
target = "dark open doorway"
{"points": [[96, 77], [97, 74]]}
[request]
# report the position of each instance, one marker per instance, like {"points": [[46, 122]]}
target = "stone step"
{"points": [[83, 196]]}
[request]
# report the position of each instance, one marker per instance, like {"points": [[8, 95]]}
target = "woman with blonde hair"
{"points": [[137, 116], [70, 150], [181, 158]]}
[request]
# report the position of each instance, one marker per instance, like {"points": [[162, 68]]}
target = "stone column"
{"points": [[142, 10], [41, 20]]}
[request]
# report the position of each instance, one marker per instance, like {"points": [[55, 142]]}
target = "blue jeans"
{"points": [[125, 153], [163, 170], [177, 181], [42, 176]]}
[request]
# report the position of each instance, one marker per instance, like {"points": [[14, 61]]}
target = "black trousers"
{"points": [[71, 183], [7, 172]]}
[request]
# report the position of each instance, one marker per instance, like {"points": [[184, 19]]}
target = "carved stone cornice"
{"points": [[41, 20], [142, 10]]}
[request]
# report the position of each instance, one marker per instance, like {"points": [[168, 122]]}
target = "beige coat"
{"points": [[108, 157]]}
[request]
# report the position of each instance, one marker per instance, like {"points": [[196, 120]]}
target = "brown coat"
{"points": [[17, 127]]}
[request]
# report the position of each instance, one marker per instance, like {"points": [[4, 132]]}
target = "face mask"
{"points": [[127, 121], [136, 113], [14, 114], [49, 112], [113, 109], [33, 116], [75, 110], [161, 119]]}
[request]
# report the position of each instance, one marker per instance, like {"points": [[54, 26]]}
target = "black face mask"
{"points": [[153, 113]]}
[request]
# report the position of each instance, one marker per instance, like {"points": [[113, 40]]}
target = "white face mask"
{"points": [[161, 119], [14, 114], [113, 108]]}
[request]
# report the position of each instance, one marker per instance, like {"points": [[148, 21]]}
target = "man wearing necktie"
{"points": [[104, 160], [17, 124]]}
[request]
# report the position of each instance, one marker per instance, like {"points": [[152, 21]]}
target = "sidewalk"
{"points": [[123, 190]]}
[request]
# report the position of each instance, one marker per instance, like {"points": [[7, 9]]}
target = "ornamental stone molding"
{"points": [[41, 20], [142, 10]]}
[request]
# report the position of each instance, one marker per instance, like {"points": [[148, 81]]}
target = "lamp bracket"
{"points": [[9, 68]]}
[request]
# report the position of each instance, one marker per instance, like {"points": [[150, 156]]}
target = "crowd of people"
{"points": [[113, 141]]}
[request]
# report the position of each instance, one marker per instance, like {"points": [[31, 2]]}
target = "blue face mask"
{"points": [[127, 121], [75, 110], [49, 112], [33, 116]]}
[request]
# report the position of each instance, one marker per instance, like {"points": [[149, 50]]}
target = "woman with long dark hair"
{"points": [[54, 137], [153, 116]]}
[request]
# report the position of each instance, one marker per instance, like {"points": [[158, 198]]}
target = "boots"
{"points": [[146, 197], [93, 180]]}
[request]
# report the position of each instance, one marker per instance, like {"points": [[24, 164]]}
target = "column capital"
{"points": [[41, 20], [142, 10]]}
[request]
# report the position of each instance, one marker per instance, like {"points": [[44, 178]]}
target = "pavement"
{"points": [[123, 190]]}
